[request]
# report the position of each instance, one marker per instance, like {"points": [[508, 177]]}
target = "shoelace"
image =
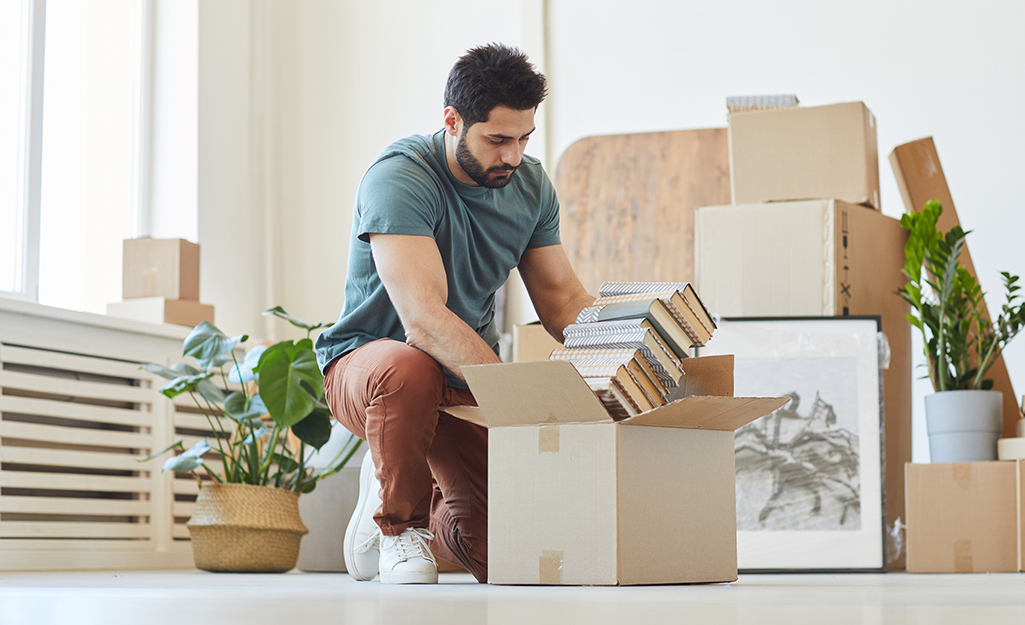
{"points": [[413, 542], [372, 542]]}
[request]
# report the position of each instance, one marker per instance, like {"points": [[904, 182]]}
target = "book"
{"points": [[603, 389], [628, 333], [634, 360], [686, 290], [669, 328], [627, 381], [676, 304]]}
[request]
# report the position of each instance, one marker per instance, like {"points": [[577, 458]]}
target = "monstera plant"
{"points": [[281, 391]]}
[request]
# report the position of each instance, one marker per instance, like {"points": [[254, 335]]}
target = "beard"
{"points": [[471, 165]]}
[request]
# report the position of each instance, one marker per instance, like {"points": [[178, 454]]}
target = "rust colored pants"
{"points": [[433, 467]]}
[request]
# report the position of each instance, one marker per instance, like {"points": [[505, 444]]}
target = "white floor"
{"points": [[194, 598]]}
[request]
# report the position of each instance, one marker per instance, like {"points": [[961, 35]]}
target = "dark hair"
{"points": [[493, 75]]}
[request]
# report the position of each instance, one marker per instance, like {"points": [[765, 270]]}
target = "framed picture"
{"points": [[809, 475]]}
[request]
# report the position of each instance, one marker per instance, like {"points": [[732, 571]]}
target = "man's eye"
{"points": [[497, 142]]}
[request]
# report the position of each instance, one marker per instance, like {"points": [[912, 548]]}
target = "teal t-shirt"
{"points": [[480, 232]]}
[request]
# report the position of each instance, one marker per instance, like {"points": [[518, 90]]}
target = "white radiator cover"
{"points": [[76, 415]]}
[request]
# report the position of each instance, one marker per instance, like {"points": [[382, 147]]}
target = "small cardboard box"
{"points": [[160, 268], [805, 152], [532, 342], [816, 258], [162, 310], [576, 498], [963, 517]]}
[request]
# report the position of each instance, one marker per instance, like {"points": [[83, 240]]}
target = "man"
{"points": [[439, 222]]}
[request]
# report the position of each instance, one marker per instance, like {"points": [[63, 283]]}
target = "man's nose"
{"points": [[512, 155]]}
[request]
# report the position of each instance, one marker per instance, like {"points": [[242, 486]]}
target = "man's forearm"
{"points": [[567, 314], [449, 340]]}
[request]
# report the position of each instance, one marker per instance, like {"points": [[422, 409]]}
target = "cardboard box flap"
{"points": [[467, 413], [709, 413], [707, 375], [528, 393]]}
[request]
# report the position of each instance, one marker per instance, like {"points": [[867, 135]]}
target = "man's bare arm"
{"points": [[414, 276], [554, 288]]}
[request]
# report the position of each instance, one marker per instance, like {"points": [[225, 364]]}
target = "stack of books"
{"points": [[630, 344]]}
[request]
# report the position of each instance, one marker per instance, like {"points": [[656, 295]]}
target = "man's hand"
{"points": [[414, 276], [554, 288]]}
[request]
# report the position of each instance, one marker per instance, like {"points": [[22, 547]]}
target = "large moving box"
{"points": [[964, 517], [805, 152], [816, 258], [576, 498]]}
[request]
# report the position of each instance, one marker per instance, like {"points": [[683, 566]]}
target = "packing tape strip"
{"points": [[963, 559], [548, 439], [549, 568], [1011, 448]]}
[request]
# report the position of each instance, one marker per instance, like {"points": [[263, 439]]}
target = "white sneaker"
{"points": [[406, 558], [362, 535]]}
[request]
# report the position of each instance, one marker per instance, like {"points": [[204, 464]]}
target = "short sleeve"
{"points": [[546, 232], [397, 196]]}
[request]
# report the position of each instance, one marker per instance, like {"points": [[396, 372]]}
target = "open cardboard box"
{"points": [[576, 498]]}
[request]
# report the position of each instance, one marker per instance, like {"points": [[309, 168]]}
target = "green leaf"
{"points": [[183, 384], [315, 429], [278, 311], [282, 371], [182, 464], [286, 464], [174, 445], [190, 460], [210, 391], [255, 435], [247, 366], [206, 343], [242, 408]]}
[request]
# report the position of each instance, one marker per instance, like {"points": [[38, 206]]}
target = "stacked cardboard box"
{"points": [[804, 238], [965, 517], [160, 283]]}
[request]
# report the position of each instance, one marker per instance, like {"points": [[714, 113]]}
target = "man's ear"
{"points": [[453, 121]]}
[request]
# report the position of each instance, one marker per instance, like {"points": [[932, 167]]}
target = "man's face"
{"points": [[490, 151]]}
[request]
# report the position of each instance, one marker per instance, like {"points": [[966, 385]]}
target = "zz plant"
{"points": [[948, 305], [282, 391]]}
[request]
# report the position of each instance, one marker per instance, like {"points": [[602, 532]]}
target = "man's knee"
{"points": [[408, 370]]}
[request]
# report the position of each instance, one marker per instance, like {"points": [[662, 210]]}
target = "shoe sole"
{"points": [[350, 530], [409, 578]]}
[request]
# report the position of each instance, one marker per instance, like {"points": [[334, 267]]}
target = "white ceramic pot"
{"points": [[964, 425]]}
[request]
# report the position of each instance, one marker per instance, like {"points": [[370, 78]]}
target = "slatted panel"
{"points": [[73, 428]]}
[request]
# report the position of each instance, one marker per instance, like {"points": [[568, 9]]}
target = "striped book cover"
{"points": [[625, 334], [635, 360], [674, 301], [676, 335], [635, 383], [690, 296]]}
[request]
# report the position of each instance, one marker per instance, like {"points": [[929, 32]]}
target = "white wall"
{"points": [[951, 70], [350, 78]]}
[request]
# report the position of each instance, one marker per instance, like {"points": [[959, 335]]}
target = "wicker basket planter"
{"points": [[241, 528]]}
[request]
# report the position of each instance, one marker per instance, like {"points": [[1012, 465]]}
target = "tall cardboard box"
{"points": [[963, 517], [816, 258], [576, 498], [805, 152], [166, 268]]}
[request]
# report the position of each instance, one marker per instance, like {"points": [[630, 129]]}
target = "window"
{"points": [[79, 76], [20, 51]]}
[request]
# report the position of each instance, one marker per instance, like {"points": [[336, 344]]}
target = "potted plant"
{"points": [[964, 416], [246, 516]]}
